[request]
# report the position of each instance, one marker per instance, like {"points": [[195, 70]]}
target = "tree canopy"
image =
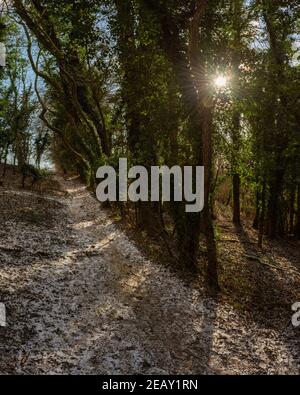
{"points": [[190, 83]]}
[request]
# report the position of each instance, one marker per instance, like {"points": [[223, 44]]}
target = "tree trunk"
{"points": [[298, 214], [262, 216], [292, 210], [5, 161], [236, 200], [236, 61], [274, 204], [207, 214], [188, 240], [257, 211]]}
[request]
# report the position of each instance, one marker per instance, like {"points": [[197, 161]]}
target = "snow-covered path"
{"points": [[81, 298]]}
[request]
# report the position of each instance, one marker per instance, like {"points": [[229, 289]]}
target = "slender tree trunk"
{"points": [[292, 209], [5, 161], [236, 200], [208, 219], [298, 214], [262, 216], [236, 137], [257, 211], [274, 204], [14, 164], [281, 134]]}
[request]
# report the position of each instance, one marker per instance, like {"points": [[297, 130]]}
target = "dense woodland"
{"points": [[195, 82]]}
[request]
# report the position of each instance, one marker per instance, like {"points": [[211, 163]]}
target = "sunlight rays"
{"points": [[221, 81]]}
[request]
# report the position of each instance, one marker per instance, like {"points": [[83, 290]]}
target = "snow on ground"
{"points": [[81, 299]]}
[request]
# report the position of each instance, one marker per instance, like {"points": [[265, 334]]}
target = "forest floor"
{"points": [[81, 298]]}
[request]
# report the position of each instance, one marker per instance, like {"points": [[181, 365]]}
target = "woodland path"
{"points": [[82, 299]]}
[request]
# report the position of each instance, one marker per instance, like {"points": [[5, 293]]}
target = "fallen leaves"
{"points": [[82, 299]]}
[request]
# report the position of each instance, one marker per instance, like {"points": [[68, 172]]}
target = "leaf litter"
{"points": [[82, 299]]}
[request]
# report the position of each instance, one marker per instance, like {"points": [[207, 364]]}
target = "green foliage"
{"points": [[134, 79]]}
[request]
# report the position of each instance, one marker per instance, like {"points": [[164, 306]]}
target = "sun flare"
{"points": [[221, 82]]}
